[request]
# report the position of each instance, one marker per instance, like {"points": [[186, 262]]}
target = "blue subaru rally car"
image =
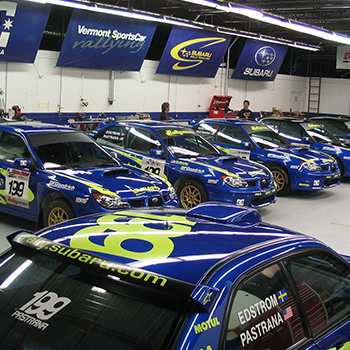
{"points": [[292, 167], [197, 169], [214, 277], [300, 133], [52, 173]]}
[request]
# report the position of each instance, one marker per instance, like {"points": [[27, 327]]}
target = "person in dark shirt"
{"points": [[165, 109], [245, 112]]}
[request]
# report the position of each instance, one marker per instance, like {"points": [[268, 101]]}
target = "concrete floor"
{"points": [[322, 214]]}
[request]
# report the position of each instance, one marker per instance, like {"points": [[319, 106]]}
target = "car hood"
{"points": [[229, 164], [122, 180], [301, 152]]}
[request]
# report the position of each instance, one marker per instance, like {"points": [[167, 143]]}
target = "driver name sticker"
{"points": [[240, 153], [154, 166], [40, 308], [16, 187]]}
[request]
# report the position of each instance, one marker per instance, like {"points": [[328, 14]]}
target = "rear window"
{"points": [[46, 304]]}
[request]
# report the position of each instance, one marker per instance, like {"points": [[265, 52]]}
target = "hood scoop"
{"points": [[228, 159], [117, 172]]}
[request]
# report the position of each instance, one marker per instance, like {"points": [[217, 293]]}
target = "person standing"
{"points": [[245, 112], [165, 109]]}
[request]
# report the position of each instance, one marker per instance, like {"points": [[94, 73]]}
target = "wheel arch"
{"points": [[186, 178], [49, 198]]}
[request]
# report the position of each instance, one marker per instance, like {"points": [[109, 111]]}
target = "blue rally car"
{"points": [[198, 170], [214, 277], [292, 167], [52, 173], [301, 133]]}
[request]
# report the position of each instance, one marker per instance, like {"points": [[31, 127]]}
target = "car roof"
{"points": [[288, 119], [153, 124], [35, 127], [188, 244], [231, 121]]}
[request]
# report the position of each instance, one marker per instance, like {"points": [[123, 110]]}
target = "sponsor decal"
{"points": [[175, 132], [142, 190], [213, 181], [277, 156], [255, 128], [192, 170], [153, 165], [55, 183], [204, 326], [240, 202], [80, 200]]}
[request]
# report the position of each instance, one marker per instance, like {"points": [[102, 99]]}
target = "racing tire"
{"points": [[281, 179], [57, 211], [191, 193]]}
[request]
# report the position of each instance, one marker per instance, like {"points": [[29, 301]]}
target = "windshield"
{"points": [[69, 150], [322, 135], [337, 128], [49, 305], [268, 139], [184, 143]]}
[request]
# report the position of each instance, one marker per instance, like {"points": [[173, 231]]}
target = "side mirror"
{"points": [[306, 139], [23, 163], [156, 152], [347, 135], [246, 144]]}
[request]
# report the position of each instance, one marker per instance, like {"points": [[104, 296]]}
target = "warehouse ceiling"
{"points": [[330, 15]]}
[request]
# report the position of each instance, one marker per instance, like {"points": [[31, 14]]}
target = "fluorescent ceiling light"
{"points": [[284, 23]]}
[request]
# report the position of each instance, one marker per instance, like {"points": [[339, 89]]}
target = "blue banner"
{"points": [[101, 41], [259, 61], [193, 52], [22, 27]]}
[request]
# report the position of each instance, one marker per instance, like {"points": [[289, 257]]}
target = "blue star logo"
{"points": [[265, 56]]}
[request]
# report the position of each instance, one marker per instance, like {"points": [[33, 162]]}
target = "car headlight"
{"points": [[235, 182], [311, 166], [109, 202]]}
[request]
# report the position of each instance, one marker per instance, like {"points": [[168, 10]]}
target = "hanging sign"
{"points": [[101, 41], [259, 61], [343, 57], [193, 53], [22, 27]]}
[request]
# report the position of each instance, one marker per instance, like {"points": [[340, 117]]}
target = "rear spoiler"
{"points": [[203, 296]]}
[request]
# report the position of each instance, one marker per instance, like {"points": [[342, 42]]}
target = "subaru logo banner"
{"points": [[194, 53], [343, 57], [102, 41], [259, 61], [18, 18]]}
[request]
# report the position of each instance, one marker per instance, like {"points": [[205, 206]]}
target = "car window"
{"points": [[231, 135], [264, 313], [12, 146], [141, 140], [113, 136], [269, 139], [207, 130], [273, 124], [321, 135], [47, 304], [324, 288], [292, 130]]}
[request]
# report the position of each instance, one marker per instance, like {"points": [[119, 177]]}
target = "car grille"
{"points": [[326, 167], [155, 201], [260, 200], [252, 183]]}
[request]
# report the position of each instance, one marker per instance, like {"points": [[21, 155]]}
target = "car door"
{"points": [[17, 183]]}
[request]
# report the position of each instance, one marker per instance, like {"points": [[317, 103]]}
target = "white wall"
{"points": [[42, 87]]}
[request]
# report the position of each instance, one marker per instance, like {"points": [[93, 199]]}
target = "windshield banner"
{"points": [[101, 41], [259, 61], [192, 52], [18, 18]]}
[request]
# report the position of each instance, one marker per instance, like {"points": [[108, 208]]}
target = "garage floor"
{"points": [[324, 215]]}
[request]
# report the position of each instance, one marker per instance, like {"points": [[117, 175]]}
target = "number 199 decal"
{"points": [[16, 187]]}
